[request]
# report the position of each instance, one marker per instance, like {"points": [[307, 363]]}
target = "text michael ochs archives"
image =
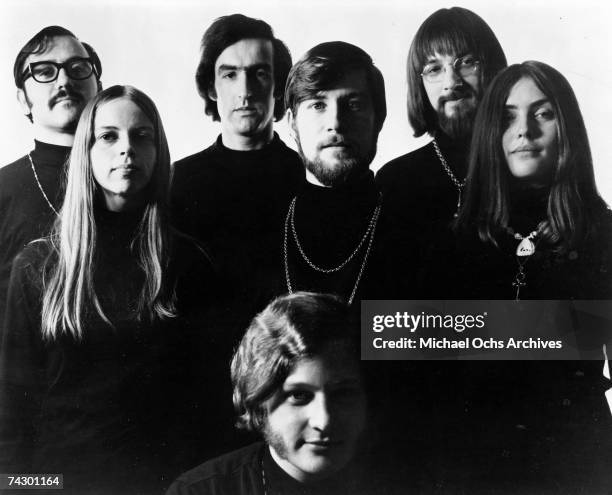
{"points": [[424, 330], [458, 323]]}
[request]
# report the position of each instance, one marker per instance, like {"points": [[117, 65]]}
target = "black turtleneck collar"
{"points": [[354, 198], [51, 155], [254, 155], [528, 207]]}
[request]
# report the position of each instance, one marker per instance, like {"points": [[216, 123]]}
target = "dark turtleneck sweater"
{"points": [[24, 212], [221, 195], [418, 192], [547, 420], [119, 410], [242, 472], [330, 223]]}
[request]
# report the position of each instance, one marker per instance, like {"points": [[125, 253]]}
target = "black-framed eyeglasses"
{"points": [[465, 66], [78, 68]]}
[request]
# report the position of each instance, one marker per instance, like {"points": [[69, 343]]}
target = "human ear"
{"points": [[212, 94], [292, 125], [22, 98]]}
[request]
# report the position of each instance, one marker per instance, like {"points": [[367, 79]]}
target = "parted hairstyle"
{"points": [[573, 201], [323, 66], [292, 327], [455, 32], [68, 281], [40, 42], [224, 32]]}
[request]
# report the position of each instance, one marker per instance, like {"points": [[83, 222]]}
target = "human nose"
{"points": [[126, 146], [319, 414], [245, 85], [62, 77], [333, 117], [523, 127], [451, 77]]}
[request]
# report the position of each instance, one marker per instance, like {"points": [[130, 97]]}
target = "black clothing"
{"points": [[240, 473], [230, 201], [420, 201], [520, 426], [119, 410], [418, 192], [24, 212], [221, 195], [329, 223]]}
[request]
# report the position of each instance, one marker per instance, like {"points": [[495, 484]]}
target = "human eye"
{"points": [[544, 114], [229, 75], [317, 105], [107, 136], [79, 68], [356, 104], [468, 61], [432, 69], [44, 70], [263, 74], [298, 397]]}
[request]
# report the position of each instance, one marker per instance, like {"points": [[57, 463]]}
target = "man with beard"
{"points": [[336, 104], [237, 189], [452, 59], [56, 75]]}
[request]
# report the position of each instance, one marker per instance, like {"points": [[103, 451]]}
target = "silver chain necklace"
{"points": [[40, 186], [458, 184], [368, 236]]}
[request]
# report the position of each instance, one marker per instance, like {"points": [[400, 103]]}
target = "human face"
{"points": [[334, 131], [454, 98], [57, 105], [315, 419], [123, 155], [530, 140], [244, 91]]}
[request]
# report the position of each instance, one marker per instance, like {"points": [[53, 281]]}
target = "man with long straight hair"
{"points": [[452, 59], [56, 75]]}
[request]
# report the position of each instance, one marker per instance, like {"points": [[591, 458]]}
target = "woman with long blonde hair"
{"points": [[95, 346]]}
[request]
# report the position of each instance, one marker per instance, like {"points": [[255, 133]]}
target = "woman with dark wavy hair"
{"points": [[95, 345], [532, 184], [533, 226]]}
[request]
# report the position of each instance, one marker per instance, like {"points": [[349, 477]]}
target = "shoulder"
{"points": [[28, 265], [220, 474], [404, 165], [193, 164], [12, 172]]}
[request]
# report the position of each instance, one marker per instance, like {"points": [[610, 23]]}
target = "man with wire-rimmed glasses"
{"points": [[452, 59], [56, 75]]}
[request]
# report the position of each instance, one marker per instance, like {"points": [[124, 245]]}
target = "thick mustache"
{"points": [[65, 93], [336, 141], [455, 95]]}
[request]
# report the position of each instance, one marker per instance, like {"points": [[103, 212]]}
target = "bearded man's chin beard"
{"points": [[459, 126]]}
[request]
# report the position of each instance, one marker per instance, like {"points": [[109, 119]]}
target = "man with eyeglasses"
{"points": [[452, 59], [56, 75]]}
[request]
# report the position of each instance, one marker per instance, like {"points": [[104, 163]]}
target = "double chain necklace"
{"points": [[368, 237], [458, 184], [524, 251], [40, 186]]}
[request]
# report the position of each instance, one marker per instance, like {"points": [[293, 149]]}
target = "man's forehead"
{"points": [[247, 52], [59, 49]]}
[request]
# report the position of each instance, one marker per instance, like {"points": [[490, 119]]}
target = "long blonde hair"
{"points": [[68, 274]]}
